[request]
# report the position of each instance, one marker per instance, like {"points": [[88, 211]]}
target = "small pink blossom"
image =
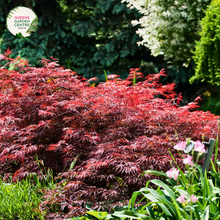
{"points": [[2, 56], [173, 173], [193, 199], [188, 160], [180, 146], [181, 199], [199, 147]]}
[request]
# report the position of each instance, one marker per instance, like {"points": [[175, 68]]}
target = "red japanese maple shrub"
{"points": [[118, 130]]}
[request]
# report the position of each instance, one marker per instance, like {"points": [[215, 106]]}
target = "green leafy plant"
{"points": [[97, 36], [106, 79], [47, 178], [186, 195], [74, 162], [206, 55], [192, 194], [101, 215], [20, 200]]}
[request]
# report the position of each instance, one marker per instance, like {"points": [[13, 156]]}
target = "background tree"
{"points": [[87, 36], [207, 52], [47, 41], [207, 57], [169, 28]]}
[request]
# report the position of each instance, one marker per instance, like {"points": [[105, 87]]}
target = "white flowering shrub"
{"points": [[169, 27]]}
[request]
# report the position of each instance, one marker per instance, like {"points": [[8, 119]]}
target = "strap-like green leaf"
{"points": [[166, 187], [131, 215], [154, 172], [74, 162], [205, 215], [98, 215], [166, 206]]}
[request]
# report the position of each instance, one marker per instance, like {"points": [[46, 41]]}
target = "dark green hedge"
{"points": [[87, 36]]}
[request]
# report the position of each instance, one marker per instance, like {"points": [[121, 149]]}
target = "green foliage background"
{"points": [[207, 53], [87, 36], [207, 58]]}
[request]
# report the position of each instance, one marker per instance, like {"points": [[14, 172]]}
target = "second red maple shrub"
{"points": [[118, 130]]}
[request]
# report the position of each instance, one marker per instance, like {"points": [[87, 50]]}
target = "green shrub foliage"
{"points": [[207, 53], [87, 36], [20, 201]]}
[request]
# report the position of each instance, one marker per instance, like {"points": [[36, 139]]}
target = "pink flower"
{"points": [[181, 199], [188, 160], [180, 146], [2, 56], [199, 147], [193, 199], [173, 173]]}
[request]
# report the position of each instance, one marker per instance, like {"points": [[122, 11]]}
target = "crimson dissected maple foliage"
{"points": [[118, 130]]}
